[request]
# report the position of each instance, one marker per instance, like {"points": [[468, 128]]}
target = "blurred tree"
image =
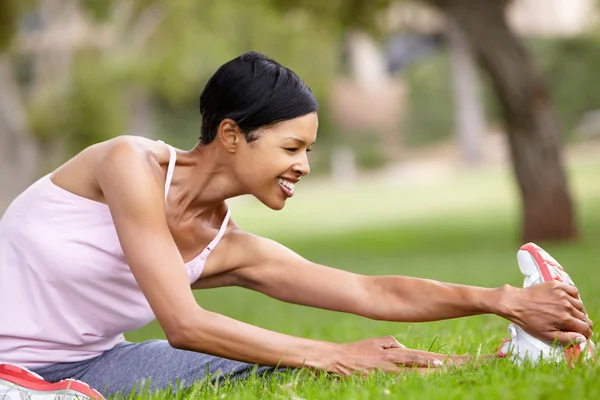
{"points": [[75, 72], [17, 150], [528, 113], [529, 117], [90, 69], [469, 116]]}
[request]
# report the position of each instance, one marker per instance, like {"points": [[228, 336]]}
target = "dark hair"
{"points": [[253, 90]]}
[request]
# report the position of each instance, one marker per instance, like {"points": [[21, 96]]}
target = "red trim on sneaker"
{"points": [[534, 250], [24, 378], [501, 353], [572, 355]]}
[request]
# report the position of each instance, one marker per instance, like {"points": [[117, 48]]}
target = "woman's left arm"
{"points": [[271, 268], [268, 267]]}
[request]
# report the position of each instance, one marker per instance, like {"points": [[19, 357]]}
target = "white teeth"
{"points": [[286, 183]]}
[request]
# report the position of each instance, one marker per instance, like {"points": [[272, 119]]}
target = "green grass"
{"points": [[461, 229]]}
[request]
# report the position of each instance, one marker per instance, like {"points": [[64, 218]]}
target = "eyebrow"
{"points": [[300, 141]]}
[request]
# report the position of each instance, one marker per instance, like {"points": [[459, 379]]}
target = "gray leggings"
{"points": [[119, 370]]}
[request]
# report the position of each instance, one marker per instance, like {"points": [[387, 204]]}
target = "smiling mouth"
{"points": [[286, 186]]}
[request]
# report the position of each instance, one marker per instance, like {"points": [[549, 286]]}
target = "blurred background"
{"points": [[451, 131], [410, 91]]}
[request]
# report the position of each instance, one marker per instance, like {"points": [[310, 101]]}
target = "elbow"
{"points": [[177, 340], [184, 332]]}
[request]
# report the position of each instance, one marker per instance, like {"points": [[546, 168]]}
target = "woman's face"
{"points": [[270, 166]]}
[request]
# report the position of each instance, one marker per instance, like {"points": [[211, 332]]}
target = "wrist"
{"points": [[322, 356], [501, 299]]}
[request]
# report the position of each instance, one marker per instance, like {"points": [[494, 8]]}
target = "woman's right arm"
{"points": [[134, 193]]}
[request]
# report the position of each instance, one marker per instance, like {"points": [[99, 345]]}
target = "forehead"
{"points": [[304, 128]]}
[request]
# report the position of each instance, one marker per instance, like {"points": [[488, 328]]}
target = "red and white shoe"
{"points": [[18, 383], [538, 266]]}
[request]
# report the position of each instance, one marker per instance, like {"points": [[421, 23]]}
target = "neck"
{"points": [[202, 180]]}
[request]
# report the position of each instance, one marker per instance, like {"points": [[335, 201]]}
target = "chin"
{"points": [[273, 204], [276, 205]]}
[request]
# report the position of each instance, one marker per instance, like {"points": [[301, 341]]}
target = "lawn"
{"points": [[462, 229]]}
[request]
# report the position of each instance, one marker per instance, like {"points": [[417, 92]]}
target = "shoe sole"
{"points": [[18, 383]]}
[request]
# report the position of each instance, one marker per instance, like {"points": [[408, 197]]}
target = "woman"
{"points": [[117, 236]]}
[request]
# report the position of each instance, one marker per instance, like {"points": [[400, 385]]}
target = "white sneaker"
{"points": [[538, 266], [19, 383]]}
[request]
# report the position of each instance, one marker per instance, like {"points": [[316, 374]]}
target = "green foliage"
{"points": [[8, 19], [98, 9], [429, 113], [207, 35], [570, 66], [187, 40], [342, 15], [88, 108], [195, 38], [96, 105], [11, 12], [168, 50]]}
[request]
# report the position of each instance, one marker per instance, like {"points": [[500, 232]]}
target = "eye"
{"points": [[295, 149]]}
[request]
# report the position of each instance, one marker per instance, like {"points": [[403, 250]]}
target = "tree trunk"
{"points": [[18, 161], [548, 211], [468, 111]]}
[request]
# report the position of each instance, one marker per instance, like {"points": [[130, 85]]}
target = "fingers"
{"points": [[569, 338], [570, 289], [414, 358], [578, 304], [580, 312], [430, 355], [585, 319], [577, 310], [420, 362], [579, 315], [389, 342], [454, 359], [578, 326]]}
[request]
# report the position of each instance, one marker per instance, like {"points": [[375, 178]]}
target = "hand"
{"points": [[371, 355], [550, 311]]}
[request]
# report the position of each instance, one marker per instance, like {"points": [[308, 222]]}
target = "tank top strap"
{"points": [[170, 168], [221, 232], [213, 243]]}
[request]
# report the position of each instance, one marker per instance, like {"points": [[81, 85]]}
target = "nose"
{"points": [[302, 166]]}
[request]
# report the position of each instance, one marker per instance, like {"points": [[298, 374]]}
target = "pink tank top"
{"points": [[66, 291]]}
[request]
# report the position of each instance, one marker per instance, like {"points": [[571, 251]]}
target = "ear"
{"points": [[229, 135]]}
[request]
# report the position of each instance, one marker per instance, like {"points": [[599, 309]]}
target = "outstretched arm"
{"points": [[273, 269], [134, 194]]}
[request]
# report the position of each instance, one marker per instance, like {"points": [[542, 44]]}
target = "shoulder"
{"points": [[129, 156], [83, 173], [129, 162], [129, 174], [130, 148]]}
